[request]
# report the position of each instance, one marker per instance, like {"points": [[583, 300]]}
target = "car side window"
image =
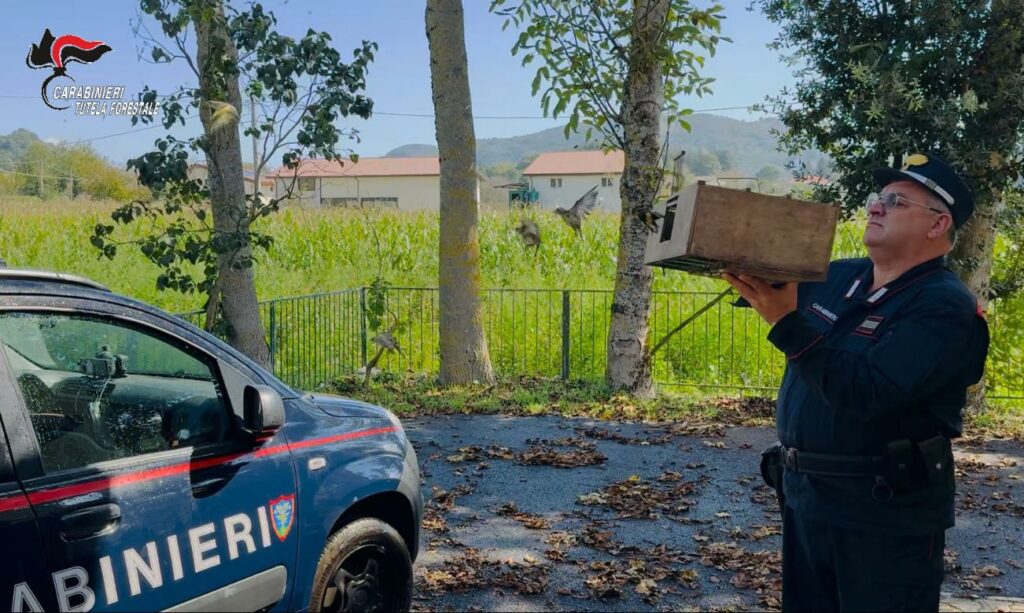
{"points": [[100, 389]]}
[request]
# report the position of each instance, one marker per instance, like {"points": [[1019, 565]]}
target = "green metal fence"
{"points": [[548, 333]]}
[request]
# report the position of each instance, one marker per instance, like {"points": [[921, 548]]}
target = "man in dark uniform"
{"points": [[879, 359]]}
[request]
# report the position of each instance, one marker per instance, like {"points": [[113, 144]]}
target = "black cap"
{"points": [[938, 176]]}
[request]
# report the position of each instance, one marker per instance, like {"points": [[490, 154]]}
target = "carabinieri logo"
{"points": [[282, 515], [57, 53]]}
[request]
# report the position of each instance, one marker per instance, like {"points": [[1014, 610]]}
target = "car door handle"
{"points": [[90, 522], [208, 487]]}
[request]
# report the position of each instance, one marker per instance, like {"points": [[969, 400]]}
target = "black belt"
{"points": [[832, 465]]}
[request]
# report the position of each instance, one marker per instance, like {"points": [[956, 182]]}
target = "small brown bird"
{"points": [[386, 341], [650, 218], [530, 233], [580, 209]]}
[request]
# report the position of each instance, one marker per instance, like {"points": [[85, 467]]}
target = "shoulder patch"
{"points": [[869, 325]]}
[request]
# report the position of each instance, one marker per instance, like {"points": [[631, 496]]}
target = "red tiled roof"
{"points": [[366, 167], [577, 163]]}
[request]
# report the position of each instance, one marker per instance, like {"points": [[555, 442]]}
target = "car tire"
{"points": [[365, 566]]}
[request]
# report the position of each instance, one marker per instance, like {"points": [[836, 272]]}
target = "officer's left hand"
{"points": [[771, 303]]}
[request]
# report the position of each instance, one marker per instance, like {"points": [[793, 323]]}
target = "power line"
{"points": [[430, 115], [382, 113], [35, 175], [391, 114]]}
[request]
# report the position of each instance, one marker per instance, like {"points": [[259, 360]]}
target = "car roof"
{"points": [[30, 282], [28, 274]]}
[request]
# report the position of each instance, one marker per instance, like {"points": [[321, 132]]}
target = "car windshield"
{"points": [[65, 343]]}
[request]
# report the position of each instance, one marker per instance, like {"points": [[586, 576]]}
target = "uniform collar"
{"points": [[859, 286]]}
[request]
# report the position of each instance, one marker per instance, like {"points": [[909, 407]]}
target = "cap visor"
{"points": [[885, 176]]}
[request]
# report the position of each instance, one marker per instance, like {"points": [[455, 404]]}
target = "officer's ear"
{"points": [[941, 226]]}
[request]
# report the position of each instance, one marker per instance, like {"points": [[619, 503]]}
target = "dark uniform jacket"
{"points": [[868, 367]]}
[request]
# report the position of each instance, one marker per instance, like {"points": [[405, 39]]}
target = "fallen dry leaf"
{"points": [[531, 521], [636, 498], [609, 435]]}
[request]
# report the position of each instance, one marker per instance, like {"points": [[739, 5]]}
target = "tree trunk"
{"points": [[226, 183], [971, 259], [463, 347], [629, 360]]}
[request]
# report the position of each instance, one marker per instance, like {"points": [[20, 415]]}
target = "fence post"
{"points": [[362, 324], [565, 334], [273, 336]]}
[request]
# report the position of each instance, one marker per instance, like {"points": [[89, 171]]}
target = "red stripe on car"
{"points": [[107, 483], [13, 503]]}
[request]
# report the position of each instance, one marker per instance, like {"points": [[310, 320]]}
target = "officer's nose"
{"points": [[875, 207]]}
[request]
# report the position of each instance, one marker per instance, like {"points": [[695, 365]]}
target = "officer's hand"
{"points": [[772, 304]]}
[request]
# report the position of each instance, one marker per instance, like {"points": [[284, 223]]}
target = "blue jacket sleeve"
{"points": [[931, 343]]}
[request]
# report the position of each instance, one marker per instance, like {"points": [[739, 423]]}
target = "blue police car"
{"points": [[145, 465]]}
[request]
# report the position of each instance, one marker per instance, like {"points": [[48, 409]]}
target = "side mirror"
{"points": [[263, 409]]}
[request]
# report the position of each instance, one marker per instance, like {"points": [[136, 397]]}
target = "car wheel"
{"points": [[365, 566]]}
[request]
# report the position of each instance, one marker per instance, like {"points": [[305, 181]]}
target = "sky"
{"points": [[398, 81]]}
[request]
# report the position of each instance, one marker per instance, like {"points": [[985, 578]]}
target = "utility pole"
{"points": [[40, 178]]}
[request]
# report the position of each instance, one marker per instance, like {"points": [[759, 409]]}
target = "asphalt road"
{"points": [[648, 517]]}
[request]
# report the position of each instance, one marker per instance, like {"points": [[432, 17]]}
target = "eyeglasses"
{"points": [[890, 200]]}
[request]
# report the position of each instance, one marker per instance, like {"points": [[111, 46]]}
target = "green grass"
{"points": [[323, 250], [410, 396]]}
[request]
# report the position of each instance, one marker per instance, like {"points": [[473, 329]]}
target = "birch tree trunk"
{"points": [[463, 347], [234, 291], [971, 259], [629, 360]]}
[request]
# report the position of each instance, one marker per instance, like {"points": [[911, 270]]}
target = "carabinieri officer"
{"points": [[879, 360]]}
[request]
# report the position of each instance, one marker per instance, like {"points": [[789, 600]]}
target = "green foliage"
{"points": [[704, 164], [326, 250], [66, 170], [727, 158], [300, 86], [878, 81], [769, 173], [581, 50]]}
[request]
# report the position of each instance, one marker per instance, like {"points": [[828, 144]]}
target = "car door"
{"points": [[149, 494], [22, 576]]}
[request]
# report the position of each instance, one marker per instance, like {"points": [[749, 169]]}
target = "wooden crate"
{"points": [[709, 229]]}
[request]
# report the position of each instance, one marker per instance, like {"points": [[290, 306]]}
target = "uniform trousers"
{"points": [[831, 568]]}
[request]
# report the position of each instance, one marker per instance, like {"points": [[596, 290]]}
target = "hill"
{"points": [[14, 146], [412, 150], [751, 143]]}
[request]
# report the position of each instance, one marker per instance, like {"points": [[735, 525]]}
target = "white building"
{"points": [[561, 177], [201, 172], [404, 183]]}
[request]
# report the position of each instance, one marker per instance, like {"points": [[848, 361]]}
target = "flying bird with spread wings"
{"points": [[530, 233], [574, 215]]}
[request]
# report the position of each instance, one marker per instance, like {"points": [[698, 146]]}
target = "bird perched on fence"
{"points": [[574, 215], [385, 341], [530, 233]]}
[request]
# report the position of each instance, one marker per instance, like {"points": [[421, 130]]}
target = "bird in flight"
{"points": [[530, 233], [574, 215]]}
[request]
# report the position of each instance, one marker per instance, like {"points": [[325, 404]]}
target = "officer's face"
{"points": [[904, 227]]}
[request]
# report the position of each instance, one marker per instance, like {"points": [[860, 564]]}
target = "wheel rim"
{"points": [[356, 584]]}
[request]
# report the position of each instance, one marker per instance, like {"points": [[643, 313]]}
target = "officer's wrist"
{"points": [[780, 317]]}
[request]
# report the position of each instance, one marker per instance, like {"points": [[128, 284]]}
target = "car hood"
{"points": [[347, 407]]}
